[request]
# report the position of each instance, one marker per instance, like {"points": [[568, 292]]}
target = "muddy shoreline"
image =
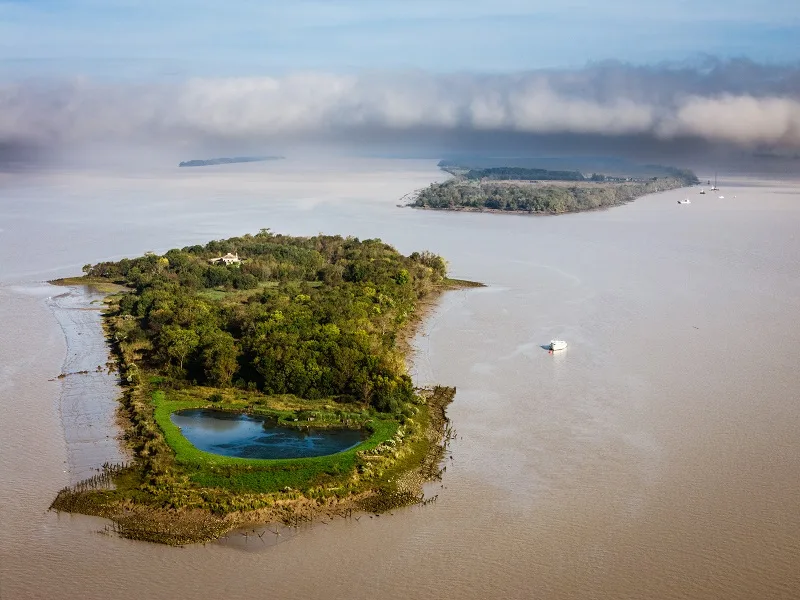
{"points": [[88, 402]]}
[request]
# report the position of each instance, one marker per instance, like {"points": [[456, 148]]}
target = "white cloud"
{"points": [[742, 119], [611, 100]]}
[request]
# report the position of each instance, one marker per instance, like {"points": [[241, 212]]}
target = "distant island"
{"points": [[207, 162], [542, 191]]}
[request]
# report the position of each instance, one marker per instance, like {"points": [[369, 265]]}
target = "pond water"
{"points": [[253, 436]]}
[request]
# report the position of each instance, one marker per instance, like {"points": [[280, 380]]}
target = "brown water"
{"points": [[656, 457]]}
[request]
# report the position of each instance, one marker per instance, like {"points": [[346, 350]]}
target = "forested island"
{"points": [[540, 191], [226, 161], [307, 332]]}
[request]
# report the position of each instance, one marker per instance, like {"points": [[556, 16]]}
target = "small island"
{"points": [[226, 161], [541, 191], [264, 380]]}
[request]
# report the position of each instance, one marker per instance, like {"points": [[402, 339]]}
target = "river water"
{"points": [[656, 457]]}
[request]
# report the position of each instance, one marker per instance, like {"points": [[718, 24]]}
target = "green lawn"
{"points": [[242, 295], [258, 475]]}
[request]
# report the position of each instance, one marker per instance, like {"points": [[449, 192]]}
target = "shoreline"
{"points": [[88, 399], [179, 527], [524, 213]]}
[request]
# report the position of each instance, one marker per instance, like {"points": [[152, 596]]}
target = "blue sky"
{"points": [[152, 38]]}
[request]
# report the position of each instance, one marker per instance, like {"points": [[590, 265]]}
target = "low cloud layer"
{"points": [[737, 103]]}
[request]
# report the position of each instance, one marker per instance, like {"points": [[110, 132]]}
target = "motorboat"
{"points": [[557, 345], [686, 201], [702, 191]]}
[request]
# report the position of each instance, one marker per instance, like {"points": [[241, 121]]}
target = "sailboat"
{"points": [[714, 187]]}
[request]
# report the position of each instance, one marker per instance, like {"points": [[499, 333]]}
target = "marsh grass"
{"points": [[95, 284]]}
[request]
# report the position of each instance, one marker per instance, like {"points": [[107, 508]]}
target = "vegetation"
{"points": [[521, 173], [610, 166], [301, 329], [503, 189], [225, 161]]}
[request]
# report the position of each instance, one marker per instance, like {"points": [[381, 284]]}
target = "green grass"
{"points": [[461, 283], [97, 284], [259, 475], [242, 295], [235, 295]]}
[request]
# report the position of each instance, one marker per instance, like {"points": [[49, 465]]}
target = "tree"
{"points": [[179, 343], [324, 326], [219, 356]]}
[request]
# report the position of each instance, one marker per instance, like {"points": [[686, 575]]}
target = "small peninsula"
{"points": [[293, 337], [540, 191], [226, 161]]}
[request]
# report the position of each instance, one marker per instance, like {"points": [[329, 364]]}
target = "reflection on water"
{"points": [[253, 436]]}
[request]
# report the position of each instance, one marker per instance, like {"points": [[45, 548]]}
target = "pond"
{"points": [[252, 436]]}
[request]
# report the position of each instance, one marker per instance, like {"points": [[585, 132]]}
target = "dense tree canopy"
{"points": [[466, 192], [522, 173], [315, 317]]}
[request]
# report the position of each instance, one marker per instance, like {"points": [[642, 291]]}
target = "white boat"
{"points": [[557, 345], [702, 191], [687, 201], [722, 197]]}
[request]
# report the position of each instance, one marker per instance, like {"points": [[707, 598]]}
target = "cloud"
{"points": [[736, 103], [743, 119]]}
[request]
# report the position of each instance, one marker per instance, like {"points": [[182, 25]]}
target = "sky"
{"points": [[149, 38], [258, 74]]}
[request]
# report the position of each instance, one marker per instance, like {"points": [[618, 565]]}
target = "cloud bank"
{"points": [[733, 103]]}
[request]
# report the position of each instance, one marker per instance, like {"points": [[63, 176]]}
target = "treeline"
{"points": [[206, 162], [686, 175], [316, 317], [522, 173], [461, 193]]}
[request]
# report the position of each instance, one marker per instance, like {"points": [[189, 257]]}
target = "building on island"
{"points": [[228, 259]]}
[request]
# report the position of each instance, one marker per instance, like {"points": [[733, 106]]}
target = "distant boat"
{"points": [[557, 345], [722, 197], [714, 187], [702, 191], [687, 201]]}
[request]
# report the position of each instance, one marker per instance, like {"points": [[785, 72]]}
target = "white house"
{"points": [[228, 259]]}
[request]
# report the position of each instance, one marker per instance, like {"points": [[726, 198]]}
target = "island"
{"points": [[226, 161], [264, 380], [541, 191]]}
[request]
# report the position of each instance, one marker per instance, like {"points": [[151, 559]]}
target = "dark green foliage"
{"points": [[521, 173], [542, 198], [315, 317]]}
